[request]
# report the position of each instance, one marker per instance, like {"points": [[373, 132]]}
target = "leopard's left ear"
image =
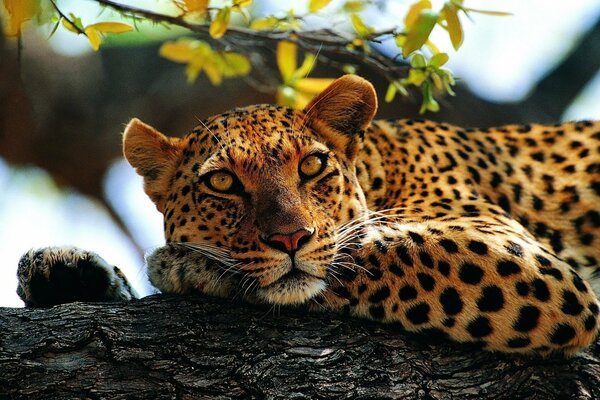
{"points": [[342, 112]]}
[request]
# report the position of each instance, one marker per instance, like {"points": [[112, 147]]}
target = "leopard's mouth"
{"points": [[294, 287]]}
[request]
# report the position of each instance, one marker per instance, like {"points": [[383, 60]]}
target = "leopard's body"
{"points": [[478, 234]]}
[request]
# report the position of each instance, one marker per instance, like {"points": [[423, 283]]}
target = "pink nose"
{"points": [[291, 242]]}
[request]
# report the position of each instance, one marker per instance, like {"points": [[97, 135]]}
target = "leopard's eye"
{"points": [[221, 181], [312, 165]]}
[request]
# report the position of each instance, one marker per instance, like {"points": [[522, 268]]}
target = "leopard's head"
{"points": [[263, 189]]}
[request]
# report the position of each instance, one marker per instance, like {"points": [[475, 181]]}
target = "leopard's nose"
{"points": [[290, 242]]}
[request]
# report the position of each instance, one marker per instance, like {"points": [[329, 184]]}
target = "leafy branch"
{"points": [[221, 49]]}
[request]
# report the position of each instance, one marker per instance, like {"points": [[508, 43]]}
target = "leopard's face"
{"points": [[262, 191], [263, 195]]}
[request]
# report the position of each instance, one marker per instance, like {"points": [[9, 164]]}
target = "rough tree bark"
{"points": [[167, 347]]}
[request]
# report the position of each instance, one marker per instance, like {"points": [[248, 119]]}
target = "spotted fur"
{"points": [[480, 235]]}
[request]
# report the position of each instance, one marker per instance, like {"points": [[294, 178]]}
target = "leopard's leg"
{"points": [[56, 275], [481, 279]]}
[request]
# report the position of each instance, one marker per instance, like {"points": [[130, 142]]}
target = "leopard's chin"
{"points": [[295, 287]]}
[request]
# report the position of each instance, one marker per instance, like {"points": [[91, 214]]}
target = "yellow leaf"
{"points": [[286, 96], [315, 5], [111, 27], [307, 65], [243, 3], [235, 64], [94, 37], [193, 69], [69, 26], [218, 26], [197, 6], [455, 30], [313, 85], [360, 27], [213, 73], [414, 11], [263, 24], [180, 51], [286, 59], [18, 11], [420, 31], [302, 101]]}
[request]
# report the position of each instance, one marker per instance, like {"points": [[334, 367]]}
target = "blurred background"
{"points": [[63, 107]]}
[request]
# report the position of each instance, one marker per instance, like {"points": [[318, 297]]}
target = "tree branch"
{"points": [[323, 42], [172, 347]]}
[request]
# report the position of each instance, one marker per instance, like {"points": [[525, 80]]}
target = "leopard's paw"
{"points": [[56, 275]]}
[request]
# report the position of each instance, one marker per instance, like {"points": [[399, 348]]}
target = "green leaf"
{"points": [[429, 103], [454, 26], [316, 5], [390, 93], [54, 28], [416, 77], [418, 61], [420, 31], [438, 60], [235, 64]]}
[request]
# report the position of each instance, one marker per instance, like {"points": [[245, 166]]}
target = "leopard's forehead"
{"points": [[255, 124], [252, 137]]}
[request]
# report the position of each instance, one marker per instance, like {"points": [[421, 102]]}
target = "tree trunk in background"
{"points": [[167, 347]]}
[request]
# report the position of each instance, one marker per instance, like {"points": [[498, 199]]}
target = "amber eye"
{"points": [[312, 165], [221, 181]]}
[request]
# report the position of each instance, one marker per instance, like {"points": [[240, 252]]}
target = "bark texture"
{"points": [[167, 347]]}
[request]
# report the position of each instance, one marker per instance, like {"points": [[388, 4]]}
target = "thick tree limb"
{"points": [[195, 347]]}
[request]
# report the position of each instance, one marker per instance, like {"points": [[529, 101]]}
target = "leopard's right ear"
{"points": [[154, 156]]}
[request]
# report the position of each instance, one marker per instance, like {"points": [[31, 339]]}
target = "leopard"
{"points": [[489, 237]]}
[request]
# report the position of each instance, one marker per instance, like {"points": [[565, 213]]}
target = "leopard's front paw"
{"points": [[56, 275]]}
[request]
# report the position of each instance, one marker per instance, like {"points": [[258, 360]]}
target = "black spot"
{"points": [[451, 301], [540, 290], [571, 305], [381, 294], [470, 273], [507, 267], [449, 245], [377, 183], [492, 299], [426, 259], [407, 292], [477, 247], [185, 208], [527, 319], [374, 274], [544, 262], [396, 270], [504, 203], [185, 190], [418, 314], [479, 327], [377, 312], [554, 272], [449, 322], [538, 204], [562, 334], [444, 268], [518, 343], [579, 284], [427, 282], [590, 323], [341, 291], [522, 288], [416, 238], [404, 255], [593, 307]]}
